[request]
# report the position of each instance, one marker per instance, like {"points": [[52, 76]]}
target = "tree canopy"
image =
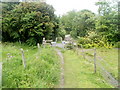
{"points": [[101, 27], [78, 23], [29, 22]]}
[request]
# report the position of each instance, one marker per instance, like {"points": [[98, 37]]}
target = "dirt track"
{"points": [[0, 74], [62, 68]]}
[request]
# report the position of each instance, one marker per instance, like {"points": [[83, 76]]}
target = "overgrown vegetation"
{"points": [[42, 69]]}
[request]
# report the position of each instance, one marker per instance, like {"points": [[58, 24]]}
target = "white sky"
{"points": [[63, 6]]}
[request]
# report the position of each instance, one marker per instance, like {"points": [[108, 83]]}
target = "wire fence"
{"points": [[96, 59]]}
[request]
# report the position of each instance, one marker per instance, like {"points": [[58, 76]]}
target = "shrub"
{"points": [[117, 45], [69, 46], [83, 41], [62, 33], [93, 40], [87, 46], [73, 34], [31, 41], [108, 45]]}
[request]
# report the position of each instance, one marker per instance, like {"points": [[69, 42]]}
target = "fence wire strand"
{"points": [[108, 77]]}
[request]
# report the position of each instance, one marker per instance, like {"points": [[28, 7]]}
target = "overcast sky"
{"points": [[63, 6]]}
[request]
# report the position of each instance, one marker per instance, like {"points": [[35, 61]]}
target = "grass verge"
{"points": [[42, 69], [108, 58], [79, 73]]}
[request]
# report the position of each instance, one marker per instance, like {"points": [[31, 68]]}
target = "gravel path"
{"points": [[58, 45], [62, 68]]}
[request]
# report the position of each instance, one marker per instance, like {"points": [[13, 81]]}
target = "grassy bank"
{"points": [[79, 73], [42, 69], [108, 58]]}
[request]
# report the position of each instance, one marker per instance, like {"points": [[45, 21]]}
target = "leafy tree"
{"points": [[78, 23], [67, 21], [29, 22], [106, 24], [84, 22]]}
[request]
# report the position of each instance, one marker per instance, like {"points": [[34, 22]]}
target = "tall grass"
{"points": [[42, 69]]}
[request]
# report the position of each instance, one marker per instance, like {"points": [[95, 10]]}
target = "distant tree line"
{"points": [[29, 22], [94, 29]]}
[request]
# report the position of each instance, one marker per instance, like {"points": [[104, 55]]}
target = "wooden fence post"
{"points": [[43, 42], [23, 58], [38, 45], [0, 74], [77, 50], [94, 60], [19, 41], [82, 51], [56, 39]]}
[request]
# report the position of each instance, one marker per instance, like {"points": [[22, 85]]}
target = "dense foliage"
{"points": [[94, 30], [29, 22], [107, 23], [78, 23]]}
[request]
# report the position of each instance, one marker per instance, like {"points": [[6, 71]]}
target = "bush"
{"points": [[94, 41], [31, 41], [62, 33], [69, 46], [108, 45], [87, 46], [117, 45], [73, 34], [83, 41]]}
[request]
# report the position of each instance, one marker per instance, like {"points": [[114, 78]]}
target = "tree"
{"points": [[67, 21], [78, 23], [106, 24], [84, 22], [30, 22]]}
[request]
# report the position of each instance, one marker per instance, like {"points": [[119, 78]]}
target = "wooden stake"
{"points": [[23, 58], [38, 45], [83, 52], [94, 60], [56, 39], [61, 39], [0, 74], [77, 50]]}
